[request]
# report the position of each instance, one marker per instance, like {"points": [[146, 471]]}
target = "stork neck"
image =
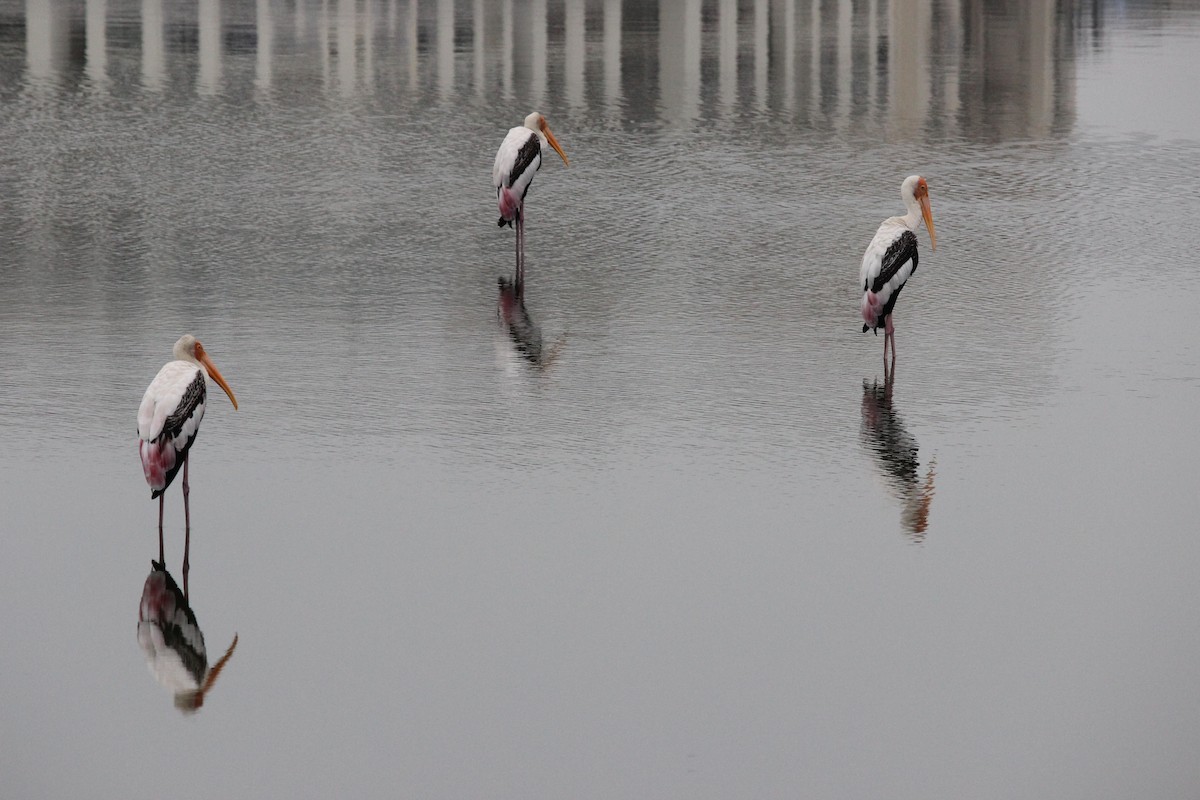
{"points": [[913, 218], [195, 362]]}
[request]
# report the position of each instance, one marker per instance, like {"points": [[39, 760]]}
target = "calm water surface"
{"points": [[671, 532]]}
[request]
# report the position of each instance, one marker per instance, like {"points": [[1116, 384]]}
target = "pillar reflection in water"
{"points": [[209, 79], [679, 59], [445, 49], [300, 21], [814, 62], [612, 54], [802, 57], [908, 64], [539, 40], [506, 49], [845, 62], [410, 43], [529, 42], [47, 39], [1016, 69], [367, 34], [96, 41], [154, 59], [762, 53], [872, 54], [323, 42], [347, 50], [969, 66], [727, 53], [479, 24], [949, 65], [783, 15], [825, 72], [574, 51], [264, 52], [1042, 67]]}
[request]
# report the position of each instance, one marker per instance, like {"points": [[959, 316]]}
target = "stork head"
{"points": [[188, 348], [537, 123], [915, 192]]}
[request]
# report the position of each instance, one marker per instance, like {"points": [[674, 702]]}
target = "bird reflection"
{"points": [[526, 335], [172, 642], [895, 451]]}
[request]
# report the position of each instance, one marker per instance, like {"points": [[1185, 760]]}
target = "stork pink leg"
{"points": [[161, 559], [521, 248], [187, 527], [517, 273], [889, 333]]}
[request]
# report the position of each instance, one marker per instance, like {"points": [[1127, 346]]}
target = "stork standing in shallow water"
{"points": [[168, 421], [517, 161], [891, 259]]}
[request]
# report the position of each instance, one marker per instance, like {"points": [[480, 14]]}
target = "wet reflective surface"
{"points": [[659, 525]]}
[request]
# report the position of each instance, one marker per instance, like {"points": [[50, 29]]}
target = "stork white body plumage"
{"points": [[891, 259], [517, 161], [168, 421], [178, 393], [172, 642]]}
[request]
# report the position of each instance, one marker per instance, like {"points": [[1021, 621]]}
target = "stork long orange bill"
{"points": [[214, 373], [554, 142]]}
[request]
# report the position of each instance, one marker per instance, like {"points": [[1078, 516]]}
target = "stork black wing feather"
{"points": [[897, 255], [529, 152], [192, 397]]}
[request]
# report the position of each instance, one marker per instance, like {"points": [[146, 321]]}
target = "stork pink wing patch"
{"points": [[158, 458], [508, 204], [871, 306]]}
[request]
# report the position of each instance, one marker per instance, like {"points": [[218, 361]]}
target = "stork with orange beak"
{"points": [[517, 161], [168, 421], [891, 259]]}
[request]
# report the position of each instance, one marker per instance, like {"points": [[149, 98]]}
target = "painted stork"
{"points": [[526, 334], [168, 420], [172, 642], [886, 437], [517, 161], [891, 259]]}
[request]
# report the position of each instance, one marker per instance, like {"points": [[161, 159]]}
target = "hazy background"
{"points": [[689, 543]]}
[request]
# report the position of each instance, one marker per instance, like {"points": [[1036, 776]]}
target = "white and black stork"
{"points": [[891, 258], [168, 421], [897, 454], [526, 334], [172, 642], [517, 161]]}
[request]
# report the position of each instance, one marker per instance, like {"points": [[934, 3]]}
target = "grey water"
{"points": [[663, 527]]}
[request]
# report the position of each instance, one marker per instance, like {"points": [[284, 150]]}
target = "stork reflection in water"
{"points": [[526, 335], [895, 450], [172, 642]]}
